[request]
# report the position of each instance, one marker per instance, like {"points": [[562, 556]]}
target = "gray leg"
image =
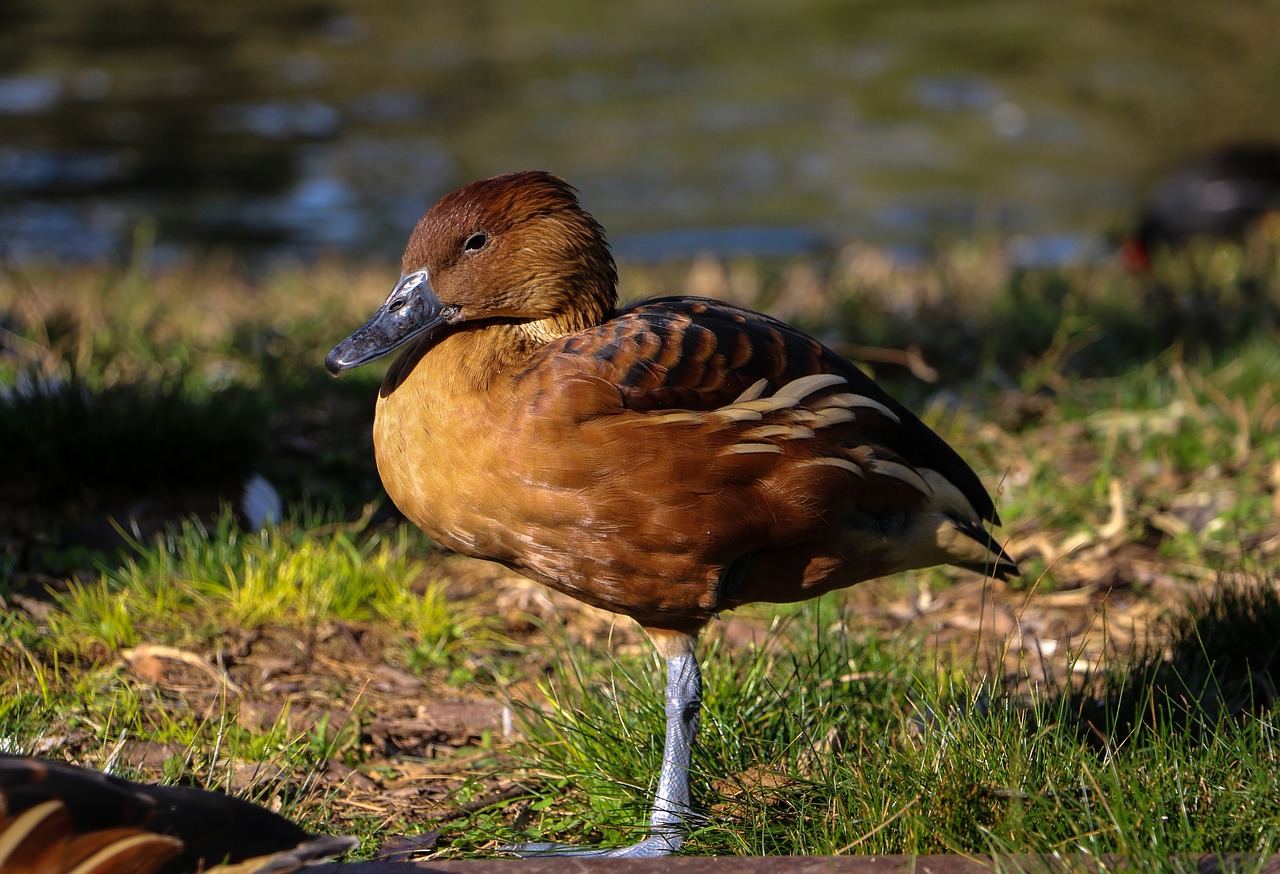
{"points": [[671, 808]]}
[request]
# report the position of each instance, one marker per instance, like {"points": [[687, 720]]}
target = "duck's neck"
{"points": [[474, 360]]}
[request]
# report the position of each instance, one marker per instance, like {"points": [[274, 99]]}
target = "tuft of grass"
{"points": [[436, 628], [191, 585]]}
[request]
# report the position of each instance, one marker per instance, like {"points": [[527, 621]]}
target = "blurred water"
{"points": [[305, 126]]}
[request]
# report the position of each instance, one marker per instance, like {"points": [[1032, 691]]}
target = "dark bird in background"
{"points": [[1220, 195], [61, 819], [667, 460]]}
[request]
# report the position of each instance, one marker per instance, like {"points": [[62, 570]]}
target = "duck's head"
{"points": [[515, 249]]}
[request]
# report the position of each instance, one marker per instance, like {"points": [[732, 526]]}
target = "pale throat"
{"points": [[544, 331]]}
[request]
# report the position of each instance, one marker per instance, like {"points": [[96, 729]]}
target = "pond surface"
{"points": [[306, 126]]}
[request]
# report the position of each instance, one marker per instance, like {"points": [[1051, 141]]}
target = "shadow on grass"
{"points": [[1221, 665], [88, 469], [65, 440], [85, 468]]}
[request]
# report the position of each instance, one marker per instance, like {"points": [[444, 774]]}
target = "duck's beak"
{"points": [[412, 309]]}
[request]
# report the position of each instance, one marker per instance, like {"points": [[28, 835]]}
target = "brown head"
{"points": [[515, 248]]}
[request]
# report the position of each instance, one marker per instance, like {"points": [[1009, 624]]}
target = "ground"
{"points": [[342, 668]]}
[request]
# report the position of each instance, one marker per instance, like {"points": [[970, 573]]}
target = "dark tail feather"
{"points": [[1001, 565], [135, 827]]}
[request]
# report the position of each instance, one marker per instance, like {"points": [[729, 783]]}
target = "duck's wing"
{"points": [[688, 456], [698, 354]]}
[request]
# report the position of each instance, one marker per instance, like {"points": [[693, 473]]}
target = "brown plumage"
{"points": [[667, 460], [60, 819]]}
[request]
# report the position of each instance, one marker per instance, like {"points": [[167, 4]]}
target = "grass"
{"points": [[835, 742], [1116, 700]]}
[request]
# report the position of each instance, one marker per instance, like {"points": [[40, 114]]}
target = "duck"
{"points": [[58, 818], [1221, 194], [667, 460]]}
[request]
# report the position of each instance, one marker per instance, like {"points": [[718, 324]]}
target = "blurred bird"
{"points": [[60, 819], [1220, 195], [668, 460]]}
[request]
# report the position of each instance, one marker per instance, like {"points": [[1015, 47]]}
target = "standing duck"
{"points": [[667, 460]]}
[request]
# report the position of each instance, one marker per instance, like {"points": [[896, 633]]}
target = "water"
{"points": [[308, 126]]}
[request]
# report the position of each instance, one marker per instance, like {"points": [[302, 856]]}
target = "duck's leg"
{"points": [[671, 803]]}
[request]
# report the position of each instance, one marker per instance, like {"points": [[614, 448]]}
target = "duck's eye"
{"points": [[475, 242]]}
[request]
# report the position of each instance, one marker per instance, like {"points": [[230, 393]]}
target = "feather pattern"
{"points": [[60, 819]]}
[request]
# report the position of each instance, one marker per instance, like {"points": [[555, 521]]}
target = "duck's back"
{"points": [[700, 354], [687, 456]]}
